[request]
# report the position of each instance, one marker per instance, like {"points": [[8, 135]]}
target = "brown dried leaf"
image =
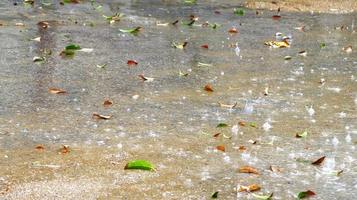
{"points": [[233, 30], [221, 148], [56, 91], [132, 63], [98, 116], [242, 148], [205, 46], [276, 17], [319, 161], [107, 103], [208, 88], [249, 188], [248, 169], [64, 150], [40, 147], [216, 135], [274, 168]]}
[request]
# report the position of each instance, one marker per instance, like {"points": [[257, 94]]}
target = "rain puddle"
{"points": [[199, 111]]}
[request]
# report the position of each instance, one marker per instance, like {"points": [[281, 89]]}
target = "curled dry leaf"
{"points": [[302, 53], [233, 30], [253, 141], [132, 63], [230, 106], [266, 91], [216, 135], [242, 148], [205, 46], [107, 103], [175, 22], [319, 161], [40, 147], [274, 168], [146, 79], [241, 123], [249, 188], [347, 49], [248, 169], [56, 91], [221, 148], [99, 116], [208, 88], [301, 135], [64, 150], [43, 24], [179, 45]]}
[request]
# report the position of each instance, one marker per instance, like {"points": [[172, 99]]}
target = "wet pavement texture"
{"points": [[171, 121]]}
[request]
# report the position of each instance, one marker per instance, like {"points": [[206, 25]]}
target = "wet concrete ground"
{"points": [[171, 120]]}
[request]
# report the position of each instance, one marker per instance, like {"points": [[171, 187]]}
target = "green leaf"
{"points": [[263, 197], [221, 125], [322, 45], [301, 135], [215, 195], [190, 1], [114, 18], [140, 164], [239, 12], [253, 124], [304, 194], [179, 45], [73, 47], [132, 31]]}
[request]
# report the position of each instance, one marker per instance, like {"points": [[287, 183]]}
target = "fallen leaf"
{"points": [[276, 44], [319, 161], [304, 194], [300, 28], [140, 164], [339, 172], [274, 168], [40, 147], [205, 46], [230, 106], [56, 91], [266, 91], [216, 135], [179, 45], [102, 66], [214, 195], [99, 116], [38, 39], [248, 169], [233, 30], [242, 148], [38, 59], [86, 50], [133, 31], [221, 148], [199, 64], [64, 150], [19, 24], [132, 63], [249, 188], [347, 49], [276, 17], [43, 24], [182, 74], [241, 123], [322, 45], [301, 135], [114, 18], [175, 22], [302, 53], [208, 88], [287, 58], [253, 124], [253, 141], [72, 47], [146, 79], [222, 125], [239, 12], [107, 103], [263, 197]]}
